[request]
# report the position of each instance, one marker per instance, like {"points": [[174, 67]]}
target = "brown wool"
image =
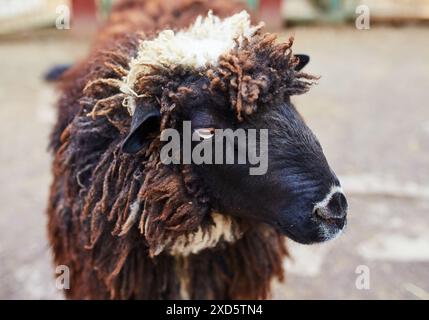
{"points": [[113, 215]]}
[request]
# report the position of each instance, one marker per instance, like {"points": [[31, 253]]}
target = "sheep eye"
{"points": [[205, 133]]}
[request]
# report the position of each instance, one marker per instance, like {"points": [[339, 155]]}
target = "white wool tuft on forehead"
{"points": [[196, 47]]}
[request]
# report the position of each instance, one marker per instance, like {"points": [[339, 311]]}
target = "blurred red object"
{"points": [[84, 9], [270, 12]]}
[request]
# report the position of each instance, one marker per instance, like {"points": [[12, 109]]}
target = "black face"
{"points": [[298, 194]]}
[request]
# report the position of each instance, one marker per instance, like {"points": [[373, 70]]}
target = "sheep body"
{"points": [[122, 223]]}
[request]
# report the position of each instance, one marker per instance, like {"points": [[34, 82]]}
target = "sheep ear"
{"points": [[146, 119], [303, 60]]}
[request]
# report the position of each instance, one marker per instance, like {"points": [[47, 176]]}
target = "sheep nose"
{"points": [[332, 209]]}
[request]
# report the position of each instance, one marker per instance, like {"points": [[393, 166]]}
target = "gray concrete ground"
{"points": [[370, 112]]}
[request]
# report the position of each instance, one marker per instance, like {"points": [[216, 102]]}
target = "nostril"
{"points": [[333, 208], [337, 206], [321, 213], [325, 214]]}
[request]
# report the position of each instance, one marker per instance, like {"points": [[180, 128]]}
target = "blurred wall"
{"points": [[19, 15]]}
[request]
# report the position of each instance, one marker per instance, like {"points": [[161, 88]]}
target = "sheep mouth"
{"points": [[312, 232], [331, 229]]}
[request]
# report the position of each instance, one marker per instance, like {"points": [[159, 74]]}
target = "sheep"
{"points": [[129, 226]]}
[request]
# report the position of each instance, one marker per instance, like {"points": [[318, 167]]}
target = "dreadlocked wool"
{"points": [[128, 226], [194, 49]]}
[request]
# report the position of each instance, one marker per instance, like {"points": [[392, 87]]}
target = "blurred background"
{"points": [[370, 112]]}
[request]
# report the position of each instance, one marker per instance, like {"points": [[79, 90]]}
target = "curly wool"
{"points": [[194, 48], [114, 218], [227, 51]]}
